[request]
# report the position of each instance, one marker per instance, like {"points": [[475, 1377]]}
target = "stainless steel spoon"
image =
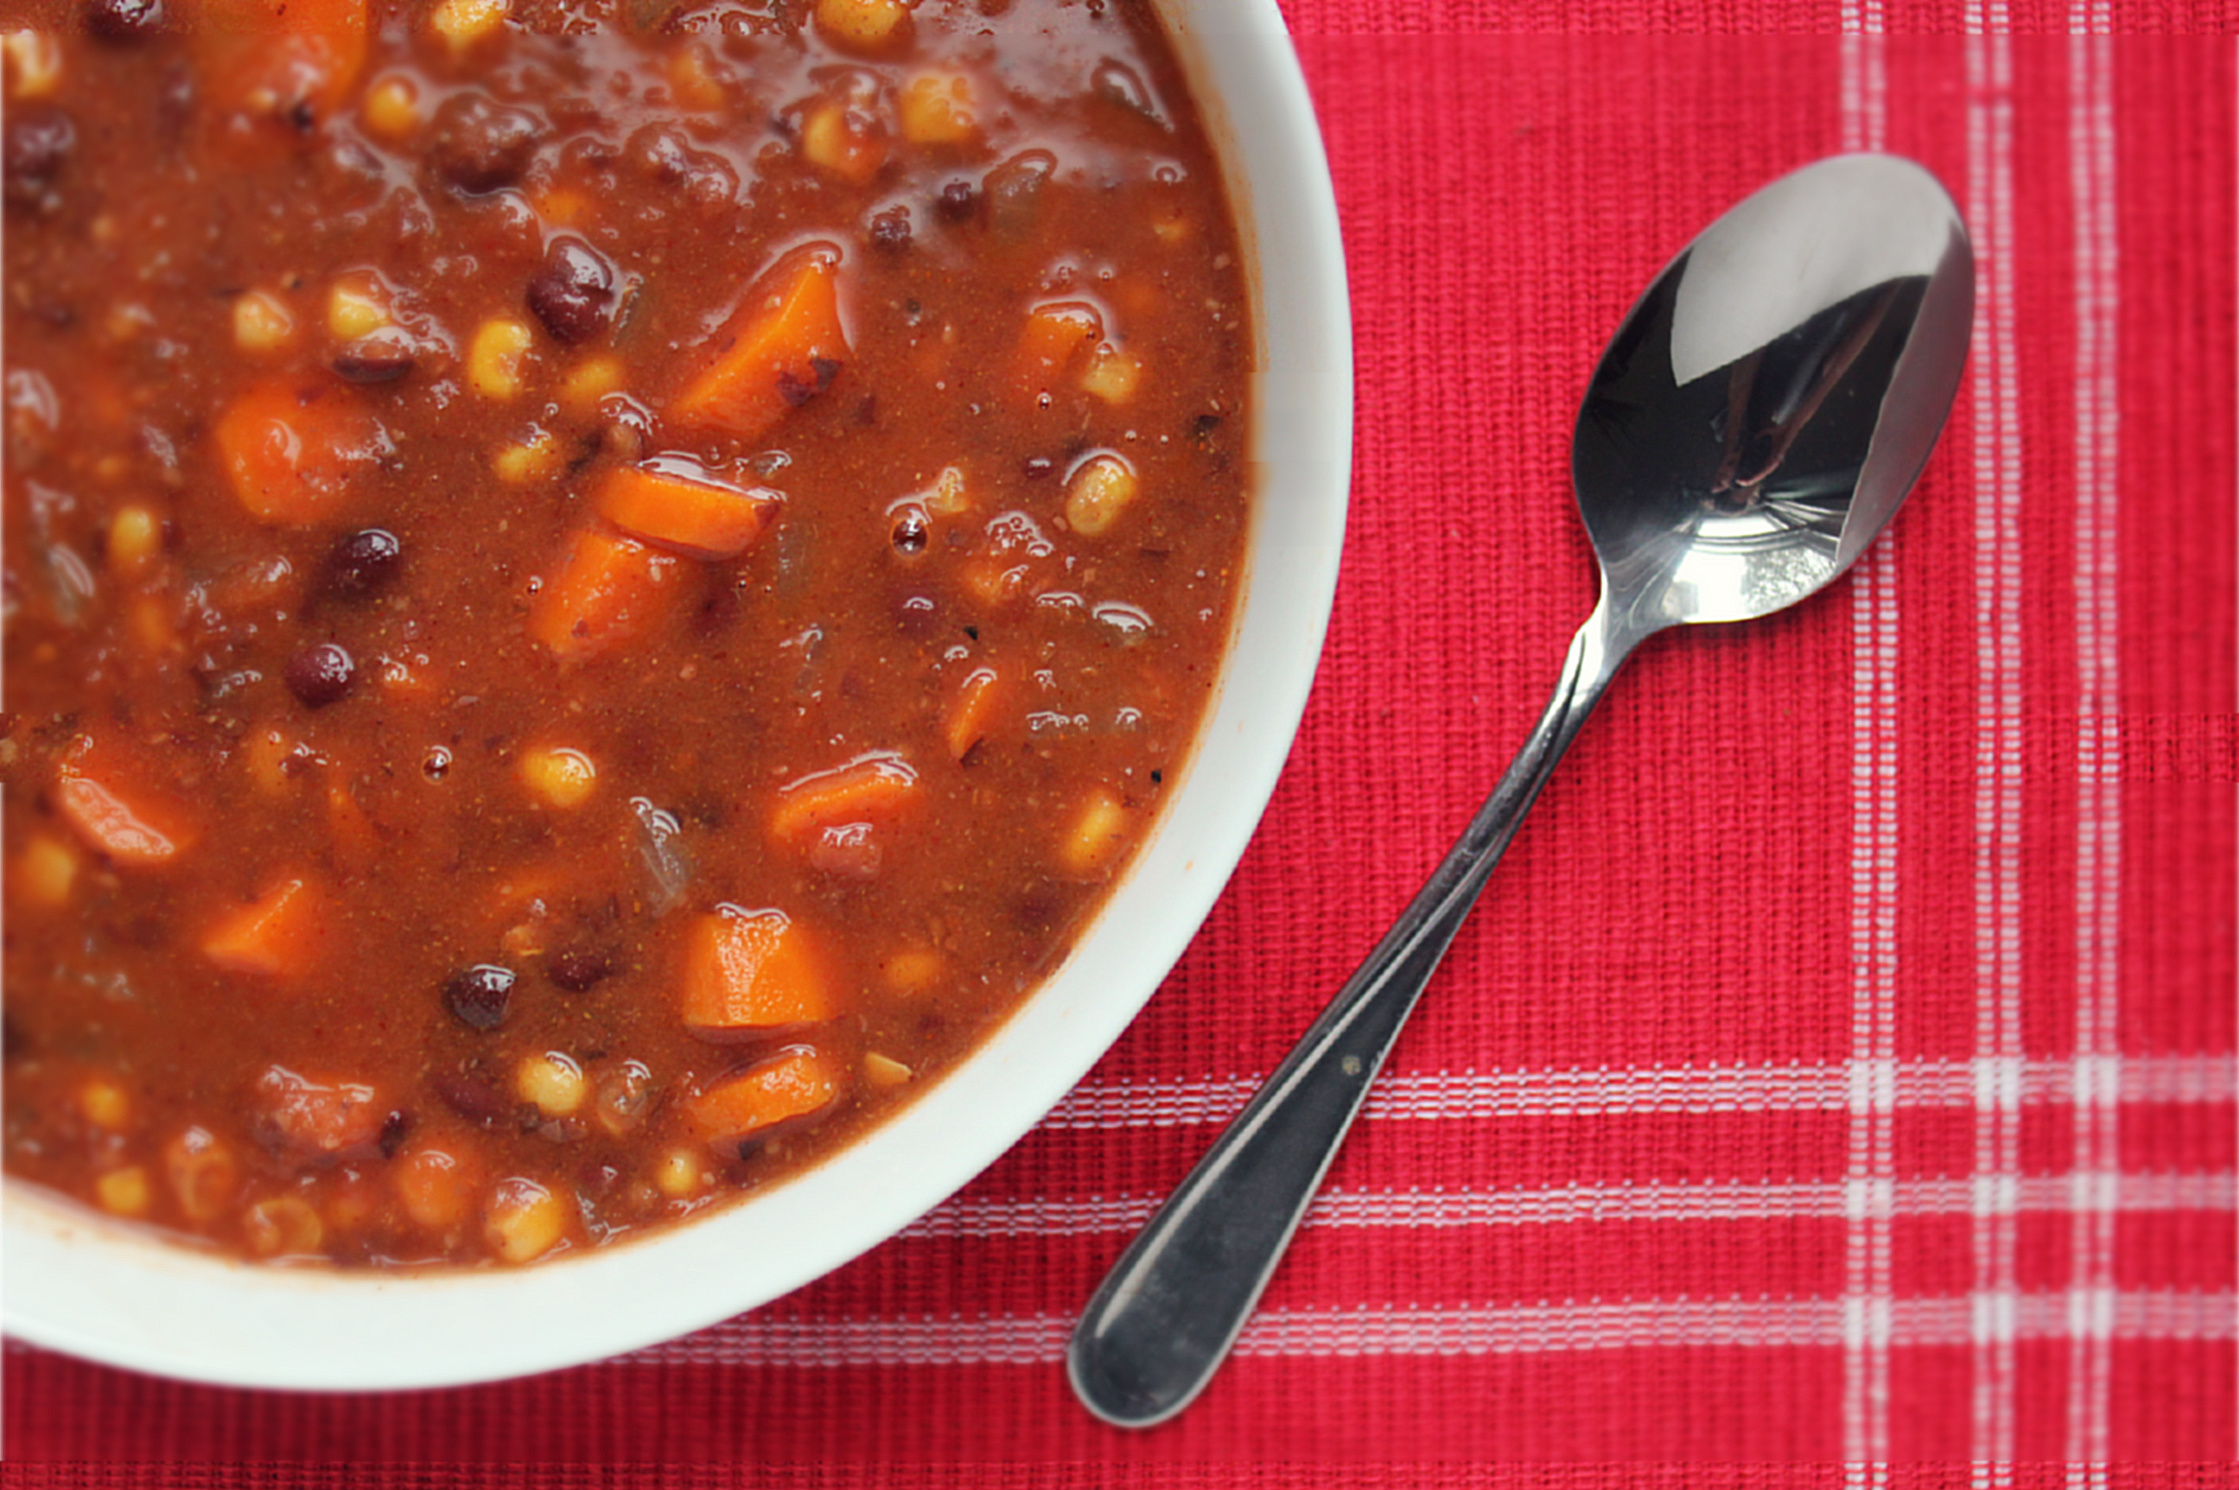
{"points": [[1757, 419]]}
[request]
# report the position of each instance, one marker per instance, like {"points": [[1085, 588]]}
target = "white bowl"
{"points": [[77, 1283]]}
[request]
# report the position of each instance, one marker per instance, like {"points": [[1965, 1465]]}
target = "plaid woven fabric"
{"points": [[1840, 1072]]}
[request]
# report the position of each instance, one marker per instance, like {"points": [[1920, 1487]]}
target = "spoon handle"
{"points": [[1159, 1324]]}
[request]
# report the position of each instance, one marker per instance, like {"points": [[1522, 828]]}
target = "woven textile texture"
{"points": [[1841, 1067]]}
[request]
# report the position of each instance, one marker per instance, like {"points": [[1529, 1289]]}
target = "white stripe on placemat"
{"points": [[1463, 1330], [1998, 719], [1564, 1205], [2098, 1184], [1646, 1090]]}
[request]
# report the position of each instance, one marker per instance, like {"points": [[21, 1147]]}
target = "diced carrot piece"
{"points": [[280, 934], [873, 786], [290, 451], [308, 1117], [847, 142], [1054, 336], [690, 512], [972, 711], [798, 1082], [131, 824], [272, 57], [750, 971], [610, 590], [785, 345]]}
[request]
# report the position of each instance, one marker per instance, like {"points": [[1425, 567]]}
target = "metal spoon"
{"points": [[1757, 419]]}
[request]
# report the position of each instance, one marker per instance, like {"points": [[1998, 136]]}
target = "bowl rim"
{"points": [[87, 1285]]}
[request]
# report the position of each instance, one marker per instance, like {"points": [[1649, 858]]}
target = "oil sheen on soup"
{"points": [[593, 592]]}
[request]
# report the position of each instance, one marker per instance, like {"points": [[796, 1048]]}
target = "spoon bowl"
{"points": [[1773, 395], [1756, 421]]}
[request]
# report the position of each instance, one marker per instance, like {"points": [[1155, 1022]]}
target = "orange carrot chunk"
{"points": [[95, 794], [971, 712], [290, 453], [274, 57], [798, 1082], [874, 786], [688, 511], [785, 346], [750, 971], [280, 934], [610, 591], [1054, 336]]}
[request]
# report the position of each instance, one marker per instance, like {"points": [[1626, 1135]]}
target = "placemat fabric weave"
{"points": [[1841, 1067]]}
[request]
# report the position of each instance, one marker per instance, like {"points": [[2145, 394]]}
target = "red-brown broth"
{"points": [[334, 697]]}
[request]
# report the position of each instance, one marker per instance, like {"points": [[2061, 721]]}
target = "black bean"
{"points": [[480, 996], [123, 20], [572, 291], [38, 144], [480, 144], [890, 229], [373, 362], [365, 562], [320, 674], [911, 529], [393, 1131], [579, 971], [957, 200], [471, 1097]]}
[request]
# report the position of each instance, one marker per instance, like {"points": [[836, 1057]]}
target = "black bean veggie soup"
{"points": [[594, 591]]}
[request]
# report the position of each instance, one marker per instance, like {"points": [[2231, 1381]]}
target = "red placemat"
{"points": [[1841, 1067]]}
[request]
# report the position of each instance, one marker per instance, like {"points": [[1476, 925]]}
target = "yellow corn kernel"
{"points": [[285, 1225], [150, 618], [461, 23], [266, 755], [1111, 374], [105, 1104], [203, 1173], [864, 25], [123, 1192], [1098, 493], [562, 206], [46, 871], [558, 775], [523, 1220], [552, 1083], [261, 323], [533, 459], [431, 1184], [1099, 829], [392, 109], [356, 307], [589, 381], [938, 109], [912, 970], [830, 142], [135, 537], [947, 496], [34, 64], [884, 1071], [680, 1175], [493, 362]]}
